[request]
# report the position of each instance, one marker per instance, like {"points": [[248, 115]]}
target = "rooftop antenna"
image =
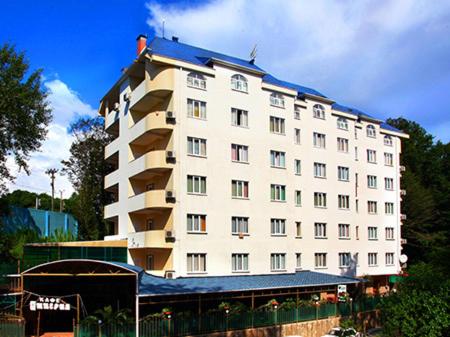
{"points": [[253, 54], [163, 26]]}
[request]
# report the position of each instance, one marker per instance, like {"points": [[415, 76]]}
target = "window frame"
{"points": [[201, 143], [202, 225], [202, 109], [196, 77], [200, 179], [319, 111], [239, 83], [244, 186], [277, 100]]}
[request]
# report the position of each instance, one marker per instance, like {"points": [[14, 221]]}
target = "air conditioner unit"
{"points": [[170, 234], [127, 96], [403, 216], [170, 274], [116, 106], [402, 168], [170, 194], [170, 115], [170, 154], [402, 192], [403, 241], [241, 235]]}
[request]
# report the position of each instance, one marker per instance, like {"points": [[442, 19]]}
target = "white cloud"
{"points": [[66, 105], [357, 52]]}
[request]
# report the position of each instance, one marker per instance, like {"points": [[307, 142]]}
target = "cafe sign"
{"points": [[49, 303]]}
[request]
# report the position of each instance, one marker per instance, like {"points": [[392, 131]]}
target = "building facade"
{"points": [[222, 169]]}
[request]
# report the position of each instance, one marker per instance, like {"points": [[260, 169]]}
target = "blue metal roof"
{"points": [[150, 285], [386, 126], [203, 57]]}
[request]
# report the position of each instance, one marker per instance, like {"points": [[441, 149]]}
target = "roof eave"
{"points": [[234, 65], [317, 98]]}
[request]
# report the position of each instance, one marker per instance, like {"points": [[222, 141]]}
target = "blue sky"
{"points": [[388, 58]]}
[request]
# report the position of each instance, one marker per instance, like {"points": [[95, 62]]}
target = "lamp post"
{"points": [[351, 306], [99, 328]]}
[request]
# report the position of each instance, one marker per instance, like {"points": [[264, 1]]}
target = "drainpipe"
{"points": [[137, 305]]}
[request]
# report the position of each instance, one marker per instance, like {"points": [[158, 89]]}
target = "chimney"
{"points": [[141, 44], [175, 38]]}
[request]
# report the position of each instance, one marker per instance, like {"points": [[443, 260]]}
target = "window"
{"points": [[343, 173], [388, 140], [342, 123], [277, 159], [196, 263], [343, 201], [320, 230], [357, 232], [196, 184], [389, 233], [298, 229], [319, 140], [372, 233], [356, 132], [239, 117], [149, 225], [239, 224], [239, 153], [388, 159], [196, 223], [389, 259], [297, 136], [344, 260], [277, 192], [278, 226], [150, 262], [371, 132], [239, 262], [196, 109], [196, 80], [239, 83], [372, 207], [342, 145], [319, 111], [277, 262], [196, 146], [389, 208], [320, 170], [371, 156], [277, 100], [320, 199], [372, 181], [389, 184], [320, 260], [298, 198], [356, 153], [298, 261], [344, 231], [372, 259], [277, 125], [298, 166], [239, 189], [297, 112]]}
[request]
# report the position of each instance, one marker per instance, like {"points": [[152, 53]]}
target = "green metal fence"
{"points": [[105, 330], [12, 327]]}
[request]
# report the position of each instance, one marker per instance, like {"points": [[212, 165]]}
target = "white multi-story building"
{"points": [[223, 169]]}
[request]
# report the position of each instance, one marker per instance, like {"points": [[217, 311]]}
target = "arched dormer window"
{"points": [[196, 80], [277, 99], [371, 132], [342, 123], [239, 83], [319, 111], [388, 140]]}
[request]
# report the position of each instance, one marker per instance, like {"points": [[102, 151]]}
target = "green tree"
{"points": [[420, 307], [24, 111], [86, 169]]}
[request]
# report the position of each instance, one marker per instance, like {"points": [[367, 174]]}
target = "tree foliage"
{"points": [[420, 307], [24, 111], [86, 169]]}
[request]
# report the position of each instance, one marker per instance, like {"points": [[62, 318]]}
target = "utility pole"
{"points": [[61, 201], [51, 173]]}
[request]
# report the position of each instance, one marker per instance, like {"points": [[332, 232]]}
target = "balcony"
{"points": [[149, 239], [153, 162], [112, 148], [111, 179], [153, 91], [154, 125], [151, 200], [112, 210]]}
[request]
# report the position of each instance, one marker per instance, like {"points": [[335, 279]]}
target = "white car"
{"points": [[350, 332]]}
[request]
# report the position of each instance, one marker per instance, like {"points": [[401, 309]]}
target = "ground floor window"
{"points": [[239, 262], [277, 262], [196, 263], [320, 260]]}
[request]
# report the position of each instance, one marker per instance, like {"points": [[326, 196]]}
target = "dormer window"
{"points": [[342, 123], [277, 99], [239, 83], [371, 132], [319, 111], [196, 80], [388, 140]]}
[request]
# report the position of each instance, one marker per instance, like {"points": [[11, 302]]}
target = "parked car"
{"points": [[337, 331]]}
